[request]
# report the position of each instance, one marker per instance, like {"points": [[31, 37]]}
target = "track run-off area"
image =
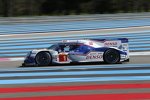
{"points": [[126, 81]]}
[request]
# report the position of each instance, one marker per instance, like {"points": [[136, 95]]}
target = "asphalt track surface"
{"points": [[119, 81]]}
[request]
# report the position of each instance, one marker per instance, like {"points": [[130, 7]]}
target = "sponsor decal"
{"points": [[94, 56], [111, 43]]}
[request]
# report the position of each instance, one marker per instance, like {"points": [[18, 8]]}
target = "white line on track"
{"points": [[139, 53]]}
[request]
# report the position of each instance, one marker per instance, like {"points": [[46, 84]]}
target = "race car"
{"points": [[110, 51]]}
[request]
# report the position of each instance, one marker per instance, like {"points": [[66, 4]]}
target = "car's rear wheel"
{"points": [[43, 59], [111, 56]]}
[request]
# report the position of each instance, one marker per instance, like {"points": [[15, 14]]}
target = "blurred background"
{"points": [[70, 7], [36, 24]]}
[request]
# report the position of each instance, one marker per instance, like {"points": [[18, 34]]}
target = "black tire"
{"points": [[23, 65], [43, 59], [127, 60], [111, 56]]}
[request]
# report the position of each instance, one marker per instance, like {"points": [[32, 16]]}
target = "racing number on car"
{"points": [[62, 58]]}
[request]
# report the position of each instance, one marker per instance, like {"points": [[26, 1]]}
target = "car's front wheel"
{"points": [[43, 59], [111, 56]]}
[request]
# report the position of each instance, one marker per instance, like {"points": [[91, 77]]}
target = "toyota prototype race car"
{"points": [[110, 51]]}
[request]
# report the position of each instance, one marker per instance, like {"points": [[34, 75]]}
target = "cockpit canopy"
{"points": [[68, 47]]}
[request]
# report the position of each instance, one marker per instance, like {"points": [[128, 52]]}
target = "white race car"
{"points": [[110, 51]]}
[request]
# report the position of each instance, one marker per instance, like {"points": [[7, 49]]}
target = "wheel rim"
{"points": [[43, 58], [112, 56]]}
